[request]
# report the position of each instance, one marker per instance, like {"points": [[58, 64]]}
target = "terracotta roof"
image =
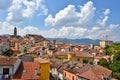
{"points": [[27, 70], [78, 68], [88, 71], [26, 54], [61, 69], [14, 49], [59, 53], [32, 49], [45, 56], [96, 72], [65, 46], [84, 55], [40, 60], [7, 61], [107, 40], [55, 65], [91, 75], [3, 39]]}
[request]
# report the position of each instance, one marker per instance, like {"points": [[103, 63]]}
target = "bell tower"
{"points": [[15, 31]]}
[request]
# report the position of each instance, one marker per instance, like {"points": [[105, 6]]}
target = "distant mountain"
{"points": [[5, 35], [77, 41]]}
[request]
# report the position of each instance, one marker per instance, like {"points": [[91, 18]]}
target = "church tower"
{"points": [[15, 31]]}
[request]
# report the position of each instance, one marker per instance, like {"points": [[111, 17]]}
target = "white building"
{"points": [[9, 66], [104, 43]]}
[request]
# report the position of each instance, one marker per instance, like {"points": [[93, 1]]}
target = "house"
{"points": [[55, 70], [83, 56], [87, 72], [36, 38], [27, 71], [60, 55], [4, 44], [95, 72], [9, 66], [60, 72], [44, 68], [104, 43]]}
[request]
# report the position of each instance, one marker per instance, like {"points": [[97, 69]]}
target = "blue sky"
{"points": [[62, 18]]}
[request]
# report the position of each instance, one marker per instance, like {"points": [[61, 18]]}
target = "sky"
{"points": [[74, 19]]}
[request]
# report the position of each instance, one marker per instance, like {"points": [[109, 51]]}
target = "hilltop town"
{"points": [[33, 57]]}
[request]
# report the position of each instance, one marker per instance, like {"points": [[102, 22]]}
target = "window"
{"points": [[78, 59], [5, 70], [72, 77], [65, 74]]}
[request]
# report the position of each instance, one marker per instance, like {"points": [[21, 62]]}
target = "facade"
{"points": [[79, 71], [27, 71], [54, 69], [69, 76], [87, 72], [44, 68], [4, 44], [104, 43], [9, 66]]}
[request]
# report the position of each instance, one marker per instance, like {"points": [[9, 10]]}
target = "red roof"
{"points": [[84, 55], [59, 53], [27, 70], [107, 40], [7, 61], [3, 39], [96, 72], [89, 72]]}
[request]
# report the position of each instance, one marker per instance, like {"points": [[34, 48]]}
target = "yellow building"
{"points": [[83, 57], [71, 55], [60, 55], [44, 68]]}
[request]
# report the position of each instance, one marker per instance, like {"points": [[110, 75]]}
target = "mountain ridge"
{"points": [[86, 41]]}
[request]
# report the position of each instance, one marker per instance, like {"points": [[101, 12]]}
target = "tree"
{"points": [[7, 53], [103, 62], [116, 57], [25, 49], [115, 66]]}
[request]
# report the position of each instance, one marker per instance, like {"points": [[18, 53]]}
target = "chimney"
{"points": [[36, 72], [8, 58], [103, 77]]}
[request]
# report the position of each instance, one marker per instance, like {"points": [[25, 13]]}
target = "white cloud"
{"points": [[98, 32], [113, 26], [6, 28], [5, 4], [70, 17], [71, 32], [72, 22], [21, 10], [28, 30], [95, 32], [65, 32], [102, 22], [107, 11]]}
